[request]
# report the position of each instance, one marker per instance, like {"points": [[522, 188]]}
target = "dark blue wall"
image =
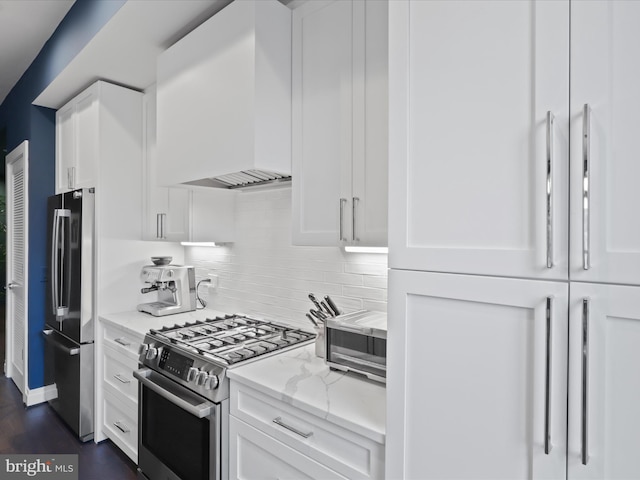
{"points": [[24, 121]]}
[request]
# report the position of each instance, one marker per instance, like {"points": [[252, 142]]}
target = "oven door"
{"points": [[179, 432]]}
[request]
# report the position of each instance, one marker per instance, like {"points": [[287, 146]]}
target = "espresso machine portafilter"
{"points": [[175, 286]]}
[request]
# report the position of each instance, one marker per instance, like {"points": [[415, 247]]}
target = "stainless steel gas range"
{"points": [[184, 392]]}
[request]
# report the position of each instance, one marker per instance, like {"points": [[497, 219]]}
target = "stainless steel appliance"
{"points": [[184, 392], [357, 342], [70, 308], [176, 288]]}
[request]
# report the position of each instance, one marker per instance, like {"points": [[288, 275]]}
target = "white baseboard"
{"points": [[39, 395]]}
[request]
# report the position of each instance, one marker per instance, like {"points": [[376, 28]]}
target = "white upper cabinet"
{"points": [[477, 377], [224, 96], [180, 214], [77, 137], [604, 385], [340, 140], [605, 74], [479, 96]]}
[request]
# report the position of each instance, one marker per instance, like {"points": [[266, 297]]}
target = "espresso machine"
{"points": [[175, 286]]}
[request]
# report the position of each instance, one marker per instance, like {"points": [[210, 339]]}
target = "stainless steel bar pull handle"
{"points": [[278, 421], [121, 379], [57, 275], [158, 225], [547, 399], [550, 156], [122, 427], [122, 342], [343, 201], [585, 381], [586, 187], [354, 205]]}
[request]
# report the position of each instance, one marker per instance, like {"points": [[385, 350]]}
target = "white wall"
{"points": [[263, 274]]}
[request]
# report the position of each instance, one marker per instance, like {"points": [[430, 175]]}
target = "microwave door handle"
{"points": [[200, 411]]}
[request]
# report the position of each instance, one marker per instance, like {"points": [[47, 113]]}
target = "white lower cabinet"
{"points": [[255, 455], [476, 377], [117, 389], [273, 439]]}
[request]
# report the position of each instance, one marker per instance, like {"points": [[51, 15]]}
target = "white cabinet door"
{"points": [[370, 178], [604, 385], [471, 363], [77, 137], [470, 86], [65, 148], [605, 74], [253, 455], [340, 129], [87, 138], [165, 210], [322, 119]]}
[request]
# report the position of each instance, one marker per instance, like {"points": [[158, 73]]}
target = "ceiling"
{"points": [[124, 51], [25, 26]]}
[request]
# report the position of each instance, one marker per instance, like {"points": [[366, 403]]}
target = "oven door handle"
{"points": [[201, 410]]}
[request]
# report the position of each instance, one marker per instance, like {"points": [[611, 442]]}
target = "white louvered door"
{"points": [[17, 234]]}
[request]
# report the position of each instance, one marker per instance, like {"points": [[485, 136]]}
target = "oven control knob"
{"points": [[152, 352], [192, 373], [143, 349], [201, 377], [211, 382]]}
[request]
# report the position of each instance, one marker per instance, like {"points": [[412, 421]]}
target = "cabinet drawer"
{"points": [[118, 373], [255, 455], [121, 425], [123, 342], [341, 450]]}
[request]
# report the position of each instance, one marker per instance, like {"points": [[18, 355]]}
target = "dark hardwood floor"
{"points": [[39, 430]]}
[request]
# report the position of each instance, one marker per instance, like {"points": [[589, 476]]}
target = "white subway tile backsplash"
{"points": [[263, 274]]}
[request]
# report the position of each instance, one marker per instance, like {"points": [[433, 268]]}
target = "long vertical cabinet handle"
{"points": [[547, 399], [585, 381], [343, 201], [158, 225], [354, 206], [586, 180], [550, 156]]}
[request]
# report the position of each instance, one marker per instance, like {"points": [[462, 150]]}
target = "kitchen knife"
{"points": [[313, 298], [332, 305], [312, 320], [326, 309], [319, 315]]}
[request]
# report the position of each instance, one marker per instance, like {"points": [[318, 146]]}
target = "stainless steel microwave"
{"points": [[357, 342]]}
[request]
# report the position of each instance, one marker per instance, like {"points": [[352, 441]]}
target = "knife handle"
{"points": [[332, 305]]}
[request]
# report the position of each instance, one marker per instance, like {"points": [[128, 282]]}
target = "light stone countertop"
{"points": [[295, 376], [303, 380], [139, 323]]}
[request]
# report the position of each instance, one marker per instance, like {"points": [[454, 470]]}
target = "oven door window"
{"points": [[175, 437]]}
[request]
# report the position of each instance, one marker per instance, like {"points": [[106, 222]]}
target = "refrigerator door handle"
{"points": [[51, 338], [59, 310]]}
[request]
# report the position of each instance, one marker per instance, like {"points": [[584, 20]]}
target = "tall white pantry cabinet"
{"points": [[514, 290]]}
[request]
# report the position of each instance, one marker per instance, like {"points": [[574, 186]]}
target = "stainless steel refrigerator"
{"points": [[70, 309]]}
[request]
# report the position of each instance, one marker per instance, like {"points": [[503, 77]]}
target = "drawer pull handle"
{"points": [[122, 342], [119, 377], [278, 421], [122, 427]]}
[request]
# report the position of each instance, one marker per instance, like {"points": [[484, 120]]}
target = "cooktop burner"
{"points": [[232, 338]]}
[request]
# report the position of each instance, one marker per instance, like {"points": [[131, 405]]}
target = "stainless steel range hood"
{"points": [[244, 180]]}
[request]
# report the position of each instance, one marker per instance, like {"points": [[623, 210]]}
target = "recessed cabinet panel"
{"points": [[471, 86], [65, 147], [605, 73], [472, 376], [322, 119]]}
